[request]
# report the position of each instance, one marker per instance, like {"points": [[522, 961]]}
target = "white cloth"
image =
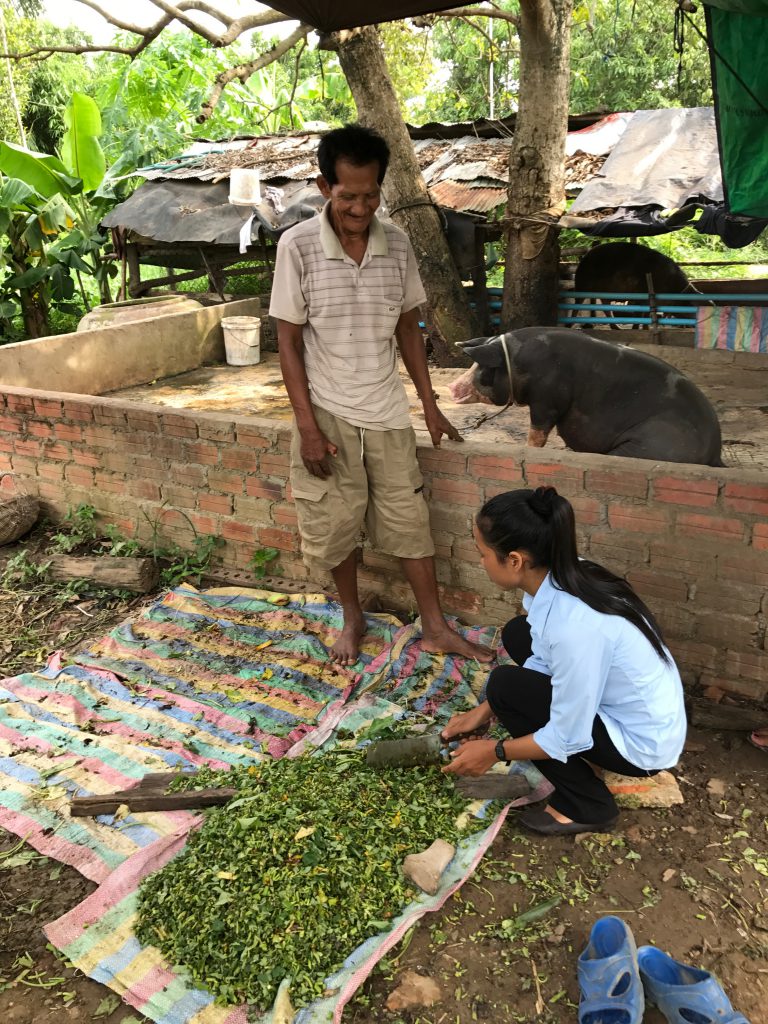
{"points": [[603, 665]]}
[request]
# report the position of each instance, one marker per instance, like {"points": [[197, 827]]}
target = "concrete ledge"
{"points": [[95, 362]]}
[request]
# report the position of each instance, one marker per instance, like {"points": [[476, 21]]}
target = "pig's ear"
{"points": [[484, 351]]}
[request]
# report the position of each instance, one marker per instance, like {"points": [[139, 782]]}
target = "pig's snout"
{"points": [[463, 390]]}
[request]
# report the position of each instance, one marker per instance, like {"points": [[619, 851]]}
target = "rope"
{"points": [[510, 401]]}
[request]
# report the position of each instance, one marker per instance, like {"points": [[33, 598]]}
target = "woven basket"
{"points": [[18, 512]]}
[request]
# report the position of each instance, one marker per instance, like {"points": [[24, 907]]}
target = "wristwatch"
{"points": [[499, 751]]}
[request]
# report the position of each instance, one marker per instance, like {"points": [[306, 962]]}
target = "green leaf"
{"points": [[107, 1005], [80, 148], [47, 175], [15, 192]]}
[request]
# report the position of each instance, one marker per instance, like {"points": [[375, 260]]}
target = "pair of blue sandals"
{"points": [[617, 979]]}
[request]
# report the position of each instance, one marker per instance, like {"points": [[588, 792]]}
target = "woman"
{"points": [[595, 688]]}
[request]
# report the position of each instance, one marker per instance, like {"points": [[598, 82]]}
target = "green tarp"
{"points": [[738, 45]]}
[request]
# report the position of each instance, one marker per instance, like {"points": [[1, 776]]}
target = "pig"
{"points": [[600, 397], [623, 267]]}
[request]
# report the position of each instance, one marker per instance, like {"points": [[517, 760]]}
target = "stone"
{"points": [[414, 990], [716, 787], [426, 868], [659, 790]]}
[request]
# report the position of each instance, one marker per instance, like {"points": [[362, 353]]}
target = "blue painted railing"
{"points": [[667, 310]]}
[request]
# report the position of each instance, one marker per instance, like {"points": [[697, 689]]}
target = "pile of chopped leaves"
{"points": [[294, 873]]}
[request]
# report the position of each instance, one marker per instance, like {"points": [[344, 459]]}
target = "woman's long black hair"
{"points": [[542, 523]]}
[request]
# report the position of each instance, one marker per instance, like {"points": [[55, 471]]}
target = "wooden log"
{"points": [[707, 715], [138, 575], [150, 794]]}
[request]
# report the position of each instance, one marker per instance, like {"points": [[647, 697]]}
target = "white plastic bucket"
{"points": [[242, 339]]}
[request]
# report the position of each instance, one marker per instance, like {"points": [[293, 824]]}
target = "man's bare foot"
{"points": [[445, 640], [346, 650]]}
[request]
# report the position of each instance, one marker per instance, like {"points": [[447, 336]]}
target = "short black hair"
{"points": [[358, 145]]}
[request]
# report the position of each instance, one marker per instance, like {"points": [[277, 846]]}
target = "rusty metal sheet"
{"points": [[464, 198]]}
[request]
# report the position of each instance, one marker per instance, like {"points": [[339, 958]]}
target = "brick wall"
{"points": [[693, 541]]}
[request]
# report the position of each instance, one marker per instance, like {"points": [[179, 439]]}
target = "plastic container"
{"points": [[244, 186], [242, 339]]}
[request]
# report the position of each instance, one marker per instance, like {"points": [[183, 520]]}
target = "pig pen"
{"points": [[205, 452]]}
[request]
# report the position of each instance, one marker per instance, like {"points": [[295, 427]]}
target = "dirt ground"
{"points": [[692, 879], [738, 394]]}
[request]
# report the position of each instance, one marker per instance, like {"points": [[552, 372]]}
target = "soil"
{"points": [[692, 879], [681, 878]]}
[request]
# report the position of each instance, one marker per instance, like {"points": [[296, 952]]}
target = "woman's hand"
{"points": [[473, 757], [468, 722]]}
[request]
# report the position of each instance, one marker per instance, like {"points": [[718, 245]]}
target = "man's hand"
{"points": [[468, 722], [473, 757], [315, 450], [437, 425]]}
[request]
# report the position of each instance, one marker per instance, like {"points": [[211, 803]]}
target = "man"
{"points": [[345, 288]]}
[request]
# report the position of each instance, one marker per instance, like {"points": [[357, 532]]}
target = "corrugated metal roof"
{"points": [[458, 196]]}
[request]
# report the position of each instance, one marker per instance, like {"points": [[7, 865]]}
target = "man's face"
{"points": [[354, 198]]}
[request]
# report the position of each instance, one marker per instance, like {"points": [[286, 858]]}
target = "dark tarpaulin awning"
{"points": [[331, 15]]}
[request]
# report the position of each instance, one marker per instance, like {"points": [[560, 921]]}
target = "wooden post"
{"points": [[653, 309]]}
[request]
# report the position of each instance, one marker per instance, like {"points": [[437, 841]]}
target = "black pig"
{"points": [[623, 267], [600, 397]]}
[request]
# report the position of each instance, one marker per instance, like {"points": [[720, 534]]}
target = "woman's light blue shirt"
{"points": [[603, 665]]}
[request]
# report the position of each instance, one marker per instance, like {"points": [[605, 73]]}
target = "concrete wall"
{"points": [[95, 362], [692, 540]]}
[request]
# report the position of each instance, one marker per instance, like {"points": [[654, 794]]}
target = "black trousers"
{"points": [[520, 698]]}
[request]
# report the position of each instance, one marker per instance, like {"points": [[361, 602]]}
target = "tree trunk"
{"points": [[537, 165], [139, 575], [362, 61]]}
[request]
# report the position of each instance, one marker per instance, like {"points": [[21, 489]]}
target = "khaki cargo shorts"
{"points": [[375, 482]]}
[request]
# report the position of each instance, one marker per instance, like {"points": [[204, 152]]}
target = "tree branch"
{"points": [[244, 71], [479, 12], [234, 26]]}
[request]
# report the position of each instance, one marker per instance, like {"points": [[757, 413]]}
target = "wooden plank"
{"points": [[138, 800], [706, 714]]}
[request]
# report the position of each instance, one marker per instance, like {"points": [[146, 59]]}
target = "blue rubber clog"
{"points": [[611, 990], [685, 995]]}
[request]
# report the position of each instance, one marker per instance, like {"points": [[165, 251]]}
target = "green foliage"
{"points": [[260, 559], [184, 565], [294, 873], [80, 148]]}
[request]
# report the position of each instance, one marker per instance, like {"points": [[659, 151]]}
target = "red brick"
{"points": [[12, 424], [146, 422], [439, 460], [232, 530], [675, 621], [179, 426], [148, 490], [754, 689], [82, 412], [20, 403], [116, 462], [6, 444], [189, 476], [685, 491], [24, 465], [752, 498], [5, 464], [214, 430], [566, 479], [638, 519], [110, 484], [750, 664], [48, 407], [623, 484], [684, 556], [456, 492], [100, 436], [231, 483], [205, 524], [80, 476], [760, 536], [38, 429], [722, 596], [181, 497], [492, 467], [217, 503], [256, 488], [57, 451], [717, 628], [151, 468], [283, 442], [459, 601], [748, 567], [271, 464], [588, 511], [50, 470], [110, 414], [652, 585], [202, 453], [694, 654], [251, 437], [239, 458], [27, 447], [165, 448], [284, 515], [67, 432], [691, 524], [284, 540], [86, 458]]}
